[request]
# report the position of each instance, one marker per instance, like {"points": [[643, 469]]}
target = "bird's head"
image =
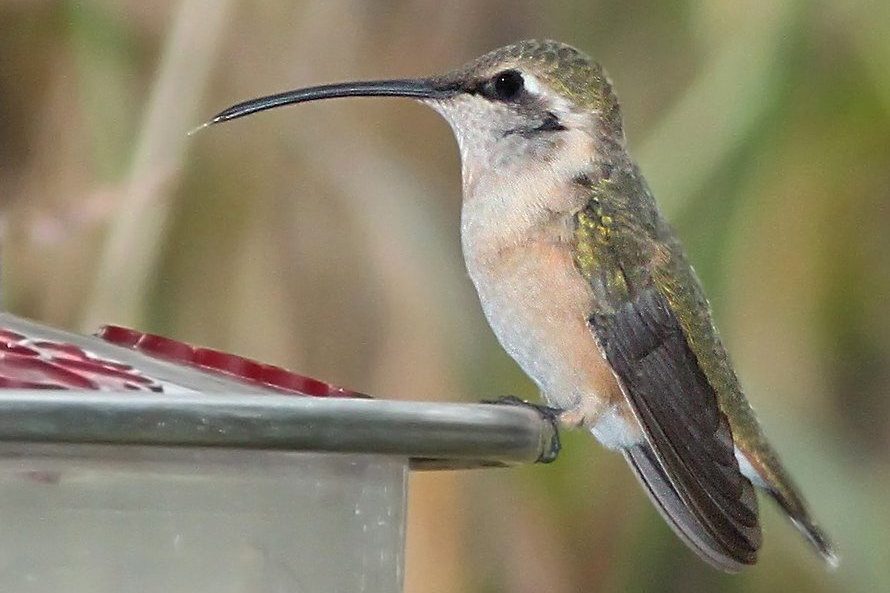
{"points": [[520, 102]]}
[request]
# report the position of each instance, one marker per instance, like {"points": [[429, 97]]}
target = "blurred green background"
{"points": [[325, 238]]}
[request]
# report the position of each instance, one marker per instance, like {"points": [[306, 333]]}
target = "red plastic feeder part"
{"points": [[216, 361]]}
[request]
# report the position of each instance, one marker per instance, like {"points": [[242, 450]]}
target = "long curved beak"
{"points": [[420, 88]]}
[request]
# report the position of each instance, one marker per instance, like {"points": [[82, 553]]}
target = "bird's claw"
{"points": [[548, 413]]}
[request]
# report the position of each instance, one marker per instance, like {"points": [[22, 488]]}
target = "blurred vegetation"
{"points": [[325, 238]]}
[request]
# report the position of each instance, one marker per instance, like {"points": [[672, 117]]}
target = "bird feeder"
{"points": [[132, 462]]}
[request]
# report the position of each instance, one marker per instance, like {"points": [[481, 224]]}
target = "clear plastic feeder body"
{"points": [[92, 518]]}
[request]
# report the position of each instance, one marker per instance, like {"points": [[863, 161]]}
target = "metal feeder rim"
{"points": [[430, 435]]}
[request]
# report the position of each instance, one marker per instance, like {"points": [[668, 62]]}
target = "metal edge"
{"points": [[432, 435]]}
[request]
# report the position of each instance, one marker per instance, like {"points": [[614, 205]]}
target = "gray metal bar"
{"points": [[433, 435]]}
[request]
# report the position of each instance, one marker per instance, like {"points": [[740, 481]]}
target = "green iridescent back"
{"points": [[624, 246]]}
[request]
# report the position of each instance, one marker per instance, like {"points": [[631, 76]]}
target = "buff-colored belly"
{"points": [[538, 305]]}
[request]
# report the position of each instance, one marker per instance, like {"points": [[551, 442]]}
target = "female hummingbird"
{"points": [[588, 288]]}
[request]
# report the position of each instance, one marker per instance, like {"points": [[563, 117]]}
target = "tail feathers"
{"points": [[678, 514], [800, 516]]}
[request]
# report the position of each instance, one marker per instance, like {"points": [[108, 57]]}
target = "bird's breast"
{"points": [[537, 305]]}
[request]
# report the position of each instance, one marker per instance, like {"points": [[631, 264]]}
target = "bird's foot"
{"points": [[551, 415]]}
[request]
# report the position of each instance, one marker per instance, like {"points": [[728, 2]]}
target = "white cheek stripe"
{"points": [[559, 105], [531, 84]]}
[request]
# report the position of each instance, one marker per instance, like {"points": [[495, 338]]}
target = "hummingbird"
{"points": [[587, 287]]}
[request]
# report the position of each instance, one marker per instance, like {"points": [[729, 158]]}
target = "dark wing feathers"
{"points": [[676, 512], [688, 463]]}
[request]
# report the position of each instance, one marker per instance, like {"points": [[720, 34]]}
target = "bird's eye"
{"points": [[508, 85]]}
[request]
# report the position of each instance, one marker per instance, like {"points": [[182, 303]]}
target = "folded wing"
{"points": [[687, 462]]}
